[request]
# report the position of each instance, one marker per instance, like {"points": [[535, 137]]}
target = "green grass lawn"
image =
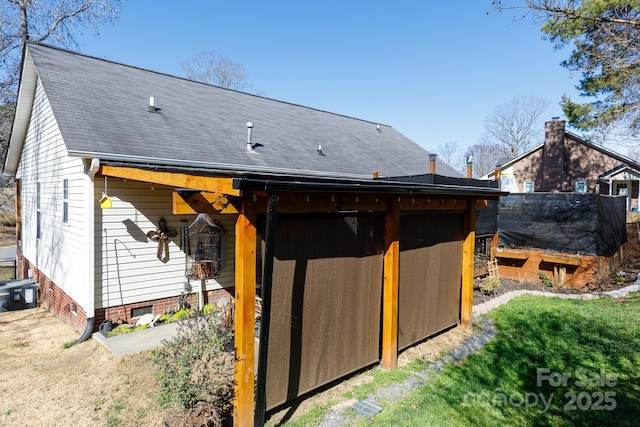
{"points": [[553, 363]]}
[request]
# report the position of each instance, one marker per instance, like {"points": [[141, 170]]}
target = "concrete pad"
{"points": [[137, 341]]}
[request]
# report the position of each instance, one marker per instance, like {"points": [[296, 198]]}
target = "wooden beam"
{"points": [[323, 202], [468, 253], [178, 180], [193, 202], [482, 204], [390, 287], [245, 299]]}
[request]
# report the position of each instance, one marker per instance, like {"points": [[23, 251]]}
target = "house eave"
{"points": [[24, 106], [155, 163], [623, 173]]}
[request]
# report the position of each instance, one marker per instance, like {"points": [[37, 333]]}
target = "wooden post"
{"points": [[245, 264], [468, 253], [390, 287]]}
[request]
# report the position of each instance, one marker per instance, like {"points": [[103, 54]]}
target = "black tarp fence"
{"points": [[590, 224], [487, 224]]}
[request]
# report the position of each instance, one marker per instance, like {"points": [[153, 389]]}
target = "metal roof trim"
{"points": [[364, 186]]}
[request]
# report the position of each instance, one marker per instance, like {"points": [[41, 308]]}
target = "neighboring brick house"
{"points": [[567, 163]]}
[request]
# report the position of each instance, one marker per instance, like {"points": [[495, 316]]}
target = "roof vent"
{"points": [[249, 136], [152, 105]]}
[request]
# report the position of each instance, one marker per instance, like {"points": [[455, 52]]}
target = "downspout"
{"points": [[88, 331], [89, 208], [267, 281]]}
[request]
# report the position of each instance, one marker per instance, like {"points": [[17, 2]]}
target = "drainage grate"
{"points": [[366, 409]]}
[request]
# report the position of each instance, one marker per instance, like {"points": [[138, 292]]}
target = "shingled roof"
{"points": [[101, 108]]}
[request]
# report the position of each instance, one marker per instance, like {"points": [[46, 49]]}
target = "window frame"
{"points": [[65, 201], [532, 184], [580, 183]]}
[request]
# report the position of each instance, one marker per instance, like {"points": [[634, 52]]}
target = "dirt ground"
{"points": [[42, 384], [507, 285]]}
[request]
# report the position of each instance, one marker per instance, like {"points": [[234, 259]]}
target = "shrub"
{"points": [[617, 278], [181, 314], [545, 280], [194, 370], [490, 284], [120, 330]]}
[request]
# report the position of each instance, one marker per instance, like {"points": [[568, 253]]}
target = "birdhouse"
{"points": [[105, 202], [203, 244]]}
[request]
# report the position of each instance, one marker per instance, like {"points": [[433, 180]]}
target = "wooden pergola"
{"points": [[247, 196]]}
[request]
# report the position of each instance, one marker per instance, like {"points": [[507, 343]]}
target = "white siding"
{"points": [[127, 267], [60, 253]]}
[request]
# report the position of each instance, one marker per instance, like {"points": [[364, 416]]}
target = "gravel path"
{"points": [[395, 392]]}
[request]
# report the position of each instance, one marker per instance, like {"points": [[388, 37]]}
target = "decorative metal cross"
{"points": [[161, 235]]}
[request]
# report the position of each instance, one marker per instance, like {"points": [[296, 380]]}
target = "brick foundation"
{"points": [[53, 299], [159, 306]]}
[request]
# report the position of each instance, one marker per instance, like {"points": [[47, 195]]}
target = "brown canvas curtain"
{"points": [[326, 301], [430, 274]]}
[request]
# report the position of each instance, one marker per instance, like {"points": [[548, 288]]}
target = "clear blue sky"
{"points": [[432, 70]]}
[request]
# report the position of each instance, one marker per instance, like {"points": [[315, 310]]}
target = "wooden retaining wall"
{"points": [[567, 270]]}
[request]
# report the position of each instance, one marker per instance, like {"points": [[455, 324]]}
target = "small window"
{"points": [[141, 311], [581, 186], [621, 189], [65, 201], [38, 215], [529, 186]]}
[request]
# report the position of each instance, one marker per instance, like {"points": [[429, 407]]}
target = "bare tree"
{"points": [[634, 153], [451, 155], [516, 126], [486, 157], [55, 22], [212, 68]]}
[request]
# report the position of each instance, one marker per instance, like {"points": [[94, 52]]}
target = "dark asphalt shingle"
{"points": [[101, 109]]}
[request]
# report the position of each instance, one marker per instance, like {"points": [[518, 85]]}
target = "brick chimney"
{"points": [[432, 163], [553, 155]]}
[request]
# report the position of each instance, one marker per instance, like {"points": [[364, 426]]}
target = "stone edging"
{"points": [[502, 299]]}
